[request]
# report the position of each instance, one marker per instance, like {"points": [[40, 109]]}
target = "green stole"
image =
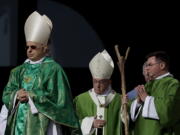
{"points": [[27, 83]]}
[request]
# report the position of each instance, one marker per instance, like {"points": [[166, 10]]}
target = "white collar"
{"points": [[106, 92], [34, 62], [164, 75], [108, 96]]}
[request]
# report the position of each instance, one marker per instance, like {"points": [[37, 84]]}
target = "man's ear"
{"points": [[162, 65], [110, 81], [45, 48]]}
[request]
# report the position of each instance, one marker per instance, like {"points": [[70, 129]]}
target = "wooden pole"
{"points": [[121, 65]]}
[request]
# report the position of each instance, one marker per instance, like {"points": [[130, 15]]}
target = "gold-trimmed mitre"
{"points": [[101, 66], [38, 28]]}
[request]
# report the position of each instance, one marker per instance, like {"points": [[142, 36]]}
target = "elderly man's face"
{"points": [[100, 85], [35, 51]]}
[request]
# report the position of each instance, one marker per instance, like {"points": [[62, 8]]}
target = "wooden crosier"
{"points": [[121, 65]]}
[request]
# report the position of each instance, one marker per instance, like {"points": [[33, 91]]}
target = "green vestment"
{"points": [[85, 107], [166, 93], [48, 87]]}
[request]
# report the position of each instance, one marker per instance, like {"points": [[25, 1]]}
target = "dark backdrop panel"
{"points": [[145, 27]]}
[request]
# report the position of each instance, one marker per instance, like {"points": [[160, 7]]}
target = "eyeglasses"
{"points": [[150, 65], [32, 47]]}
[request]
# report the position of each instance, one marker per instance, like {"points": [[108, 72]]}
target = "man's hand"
{"points": [[22, 95], [98, 123], [142, 94], [124, 99]]}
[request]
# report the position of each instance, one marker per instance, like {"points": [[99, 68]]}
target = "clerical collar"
{"points": [[106, 92], [34, 62], [164, 75]]}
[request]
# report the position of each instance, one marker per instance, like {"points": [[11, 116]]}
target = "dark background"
{"points": [[145, 27]]}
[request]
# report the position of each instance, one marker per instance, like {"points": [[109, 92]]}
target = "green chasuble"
{"points": [[48, 87], [85, 107], [166, 93]]}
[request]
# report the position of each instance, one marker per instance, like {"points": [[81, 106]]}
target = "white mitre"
{"points": [[38, 28], [101, 65]]}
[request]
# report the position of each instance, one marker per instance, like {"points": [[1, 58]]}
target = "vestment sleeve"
{"points": [[167, 106]]}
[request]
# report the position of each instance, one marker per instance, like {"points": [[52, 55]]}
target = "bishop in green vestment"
{"points": [[99, 108], [38, 95], [157, 111]]}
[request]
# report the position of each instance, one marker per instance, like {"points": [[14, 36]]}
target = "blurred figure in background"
{"points": [[133, 93]]}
